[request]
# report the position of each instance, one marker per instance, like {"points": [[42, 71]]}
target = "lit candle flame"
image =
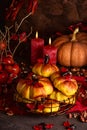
{"points": [[50, 41], [36, 34]]}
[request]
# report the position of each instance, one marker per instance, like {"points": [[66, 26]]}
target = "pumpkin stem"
{"points": [[46, 59], [74, 34]]}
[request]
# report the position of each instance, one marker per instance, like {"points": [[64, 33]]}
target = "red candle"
{"points": [[37, 45], [51, 51]]}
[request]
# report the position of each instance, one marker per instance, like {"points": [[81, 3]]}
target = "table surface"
{"points": [[18, 122]]}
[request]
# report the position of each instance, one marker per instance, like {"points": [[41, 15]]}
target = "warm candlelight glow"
{"points": [[36, 34], [50, 41]]}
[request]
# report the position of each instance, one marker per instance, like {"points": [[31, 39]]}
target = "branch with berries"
{"points": [[9, 68], [7, 36]]}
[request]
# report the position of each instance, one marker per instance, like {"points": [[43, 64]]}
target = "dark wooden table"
{"points": [[18, 122]]}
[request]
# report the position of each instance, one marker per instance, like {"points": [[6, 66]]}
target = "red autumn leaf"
{"points": [[14, 9], [69, 126], [66, 124], [71, 28], [49, 126], [69, 129], [31, 106], [42, 126], [40, 107], [23, 37], [81, 26], [9, 10], [35, 2], [78, 107], [32, 5], [79, 78], [63, 69], [37, 127]]}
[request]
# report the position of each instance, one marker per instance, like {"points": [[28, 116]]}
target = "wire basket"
{"points": [[45, 106]]}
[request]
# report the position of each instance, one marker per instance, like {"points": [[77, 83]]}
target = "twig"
{"points": [[21, 42], [8, 37], [2, 34], [7, 34], [23, 21], [29, 33]]}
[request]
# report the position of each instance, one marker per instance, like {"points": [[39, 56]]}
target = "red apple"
{"points": [[8, 60], [11, 77], [12, 68]]}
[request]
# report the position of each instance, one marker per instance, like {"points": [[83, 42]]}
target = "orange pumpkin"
{"points": [[44, 69], [59, 96], [34, 88], [72, 49], [67, 86], [51, 106], [55, 75]]}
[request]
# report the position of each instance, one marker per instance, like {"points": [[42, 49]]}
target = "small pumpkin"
{"points": [[51, 106], [67, 86], [72, 49], [45, 68], [34, 88], [59, 96], [55, 75]]}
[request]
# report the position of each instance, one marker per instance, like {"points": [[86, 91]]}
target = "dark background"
{"points": [[3, 5], [51, 17], [54, 16]]}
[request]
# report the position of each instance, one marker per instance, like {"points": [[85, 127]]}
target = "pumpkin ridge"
{"points": [[74, 52]]}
